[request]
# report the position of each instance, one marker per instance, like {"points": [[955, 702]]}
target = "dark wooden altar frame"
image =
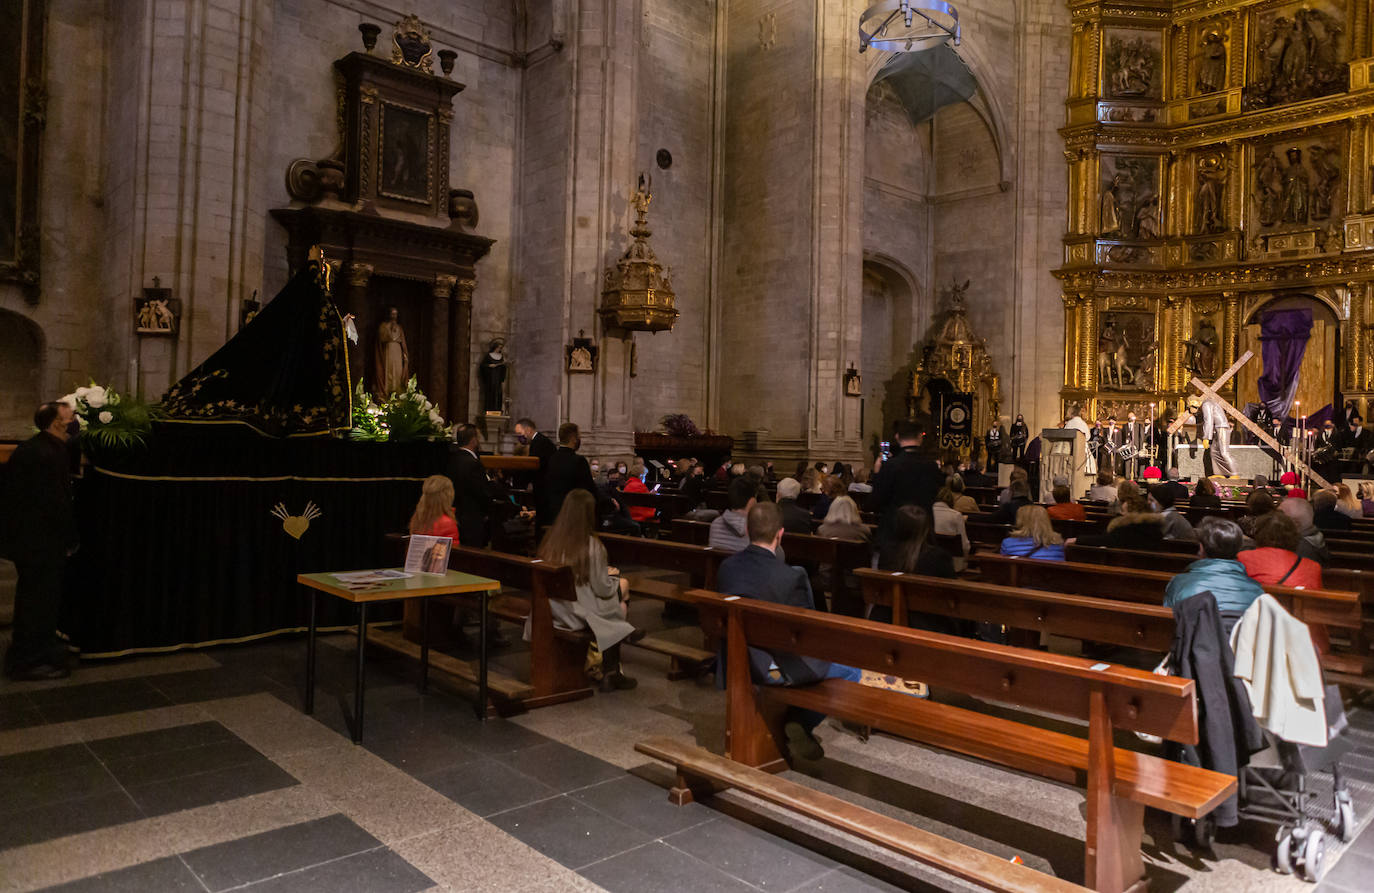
{"points": [[23, 267], [361, 246]]}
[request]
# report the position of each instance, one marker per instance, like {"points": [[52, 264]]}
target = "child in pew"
{"points": [[433, 514], [602, 594], [1033, 536]]}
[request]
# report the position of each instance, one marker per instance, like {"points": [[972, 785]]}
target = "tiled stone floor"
{"points": [[199, 772]]}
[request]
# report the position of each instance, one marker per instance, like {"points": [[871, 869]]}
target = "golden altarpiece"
{"points": [[1219, 164], [954, 359]]}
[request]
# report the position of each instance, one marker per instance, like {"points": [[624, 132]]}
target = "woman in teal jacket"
{"points": [[1217, 571]]}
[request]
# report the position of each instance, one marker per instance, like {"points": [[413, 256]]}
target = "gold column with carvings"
{"points": [[1087, 342]]}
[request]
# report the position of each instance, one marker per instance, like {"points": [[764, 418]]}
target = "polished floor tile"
{"points": [[642, 805], [569, 832], [147, 769], [658, 868], [755, 857], [201, 789], [288, 849], [560, 767], [168, 875], [484, 786], [122, 747], [60, 819], [376, 871]]}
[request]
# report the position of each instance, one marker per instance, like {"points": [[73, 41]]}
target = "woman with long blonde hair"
{"points": [[602, 594], [1033, 536], [1346, 503], [433, 514]]}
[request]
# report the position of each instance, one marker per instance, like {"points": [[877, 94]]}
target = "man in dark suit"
{"points": [[541, 448], [38, 532], [910, 478], [566, 471], [759, 572], [471, 489]]}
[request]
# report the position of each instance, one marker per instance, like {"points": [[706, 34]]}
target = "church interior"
{"points": [[954, 409]]}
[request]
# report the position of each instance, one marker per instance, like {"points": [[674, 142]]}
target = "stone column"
{"points": [[357, 277], [439, 346], [460, 350]]}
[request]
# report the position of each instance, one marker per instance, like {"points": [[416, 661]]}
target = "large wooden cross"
{"points": [[1210, 393]]}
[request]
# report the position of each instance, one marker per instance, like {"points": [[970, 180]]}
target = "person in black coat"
{"points": [[909, 478], [541, 448], [38, 533], [1227, 733], [472, 490], [760, 572], [566, 471]]}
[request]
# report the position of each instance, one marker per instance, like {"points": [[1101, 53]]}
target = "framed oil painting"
{"points": [[407, 153], [21, 127]]}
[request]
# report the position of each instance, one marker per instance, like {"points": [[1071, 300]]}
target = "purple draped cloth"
{"points": [[1283, 335]]}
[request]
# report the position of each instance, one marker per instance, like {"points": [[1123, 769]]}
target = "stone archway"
{"points": [[21, 374], [890, 305]]}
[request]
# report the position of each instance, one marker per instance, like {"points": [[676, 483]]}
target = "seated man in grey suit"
{"points": [[759, 571]]}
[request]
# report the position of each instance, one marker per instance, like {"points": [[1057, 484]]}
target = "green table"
{"points": [[421, 586]]}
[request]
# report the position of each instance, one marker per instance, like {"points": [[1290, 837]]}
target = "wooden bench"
{"points": [[1089, 618], [1120, 783], [697, 533], [950, 856], [557, 657], [840, 555], [699, 563]]}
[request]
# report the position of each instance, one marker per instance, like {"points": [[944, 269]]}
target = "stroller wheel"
{"points": [[1345, 816], [1314, 856], [1198, 834], [1283, 856]]}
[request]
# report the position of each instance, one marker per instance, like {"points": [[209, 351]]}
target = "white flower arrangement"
{"points": [[108, 420]]}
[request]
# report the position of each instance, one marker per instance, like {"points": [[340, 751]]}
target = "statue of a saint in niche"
{"points": [[492, 372], [391, 360]]}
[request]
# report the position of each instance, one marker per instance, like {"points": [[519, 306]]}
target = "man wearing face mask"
{"points": [[566, 471], [539, 447]]}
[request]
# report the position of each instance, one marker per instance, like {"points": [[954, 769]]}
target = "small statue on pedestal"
{"points": [[391, 360], [492, 377]]}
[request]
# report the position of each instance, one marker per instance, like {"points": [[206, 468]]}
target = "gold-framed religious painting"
{"points": [[22, 100], [407, 153]]}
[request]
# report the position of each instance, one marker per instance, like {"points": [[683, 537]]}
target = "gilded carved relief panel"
{"points": [[1133, 64], [1296, 194], [1128, 204], [1299, 50]]}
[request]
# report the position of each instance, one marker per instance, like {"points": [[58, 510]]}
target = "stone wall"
{"points": [[169, 166]]}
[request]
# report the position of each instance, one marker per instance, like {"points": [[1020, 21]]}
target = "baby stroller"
{"points": [[1283, 782], [1281, 786]]}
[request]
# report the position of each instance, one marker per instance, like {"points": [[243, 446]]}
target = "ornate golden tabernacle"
{"points": [[638, 295], [1219, 161], [953, 353]]}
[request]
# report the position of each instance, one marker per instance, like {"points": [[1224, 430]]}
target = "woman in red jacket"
{"points": [[638, 512], [434, 512]]}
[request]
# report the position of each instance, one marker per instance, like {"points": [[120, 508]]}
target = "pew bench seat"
{"points": [[702, 770], [1187, 791]]}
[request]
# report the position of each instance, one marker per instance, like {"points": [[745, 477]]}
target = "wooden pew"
{"points": [[699, 563], [1090, 618], [1332, 607], [557, 657], [950, 856], [698, 533], [1120, 783], [667, 505], [841, 555]]}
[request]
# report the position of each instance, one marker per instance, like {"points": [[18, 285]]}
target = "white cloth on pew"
{"points": [[1277, 662]]}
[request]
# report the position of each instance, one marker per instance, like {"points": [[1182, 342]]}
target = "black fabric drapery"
{"points": [[284, 373], [180, 546]]}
